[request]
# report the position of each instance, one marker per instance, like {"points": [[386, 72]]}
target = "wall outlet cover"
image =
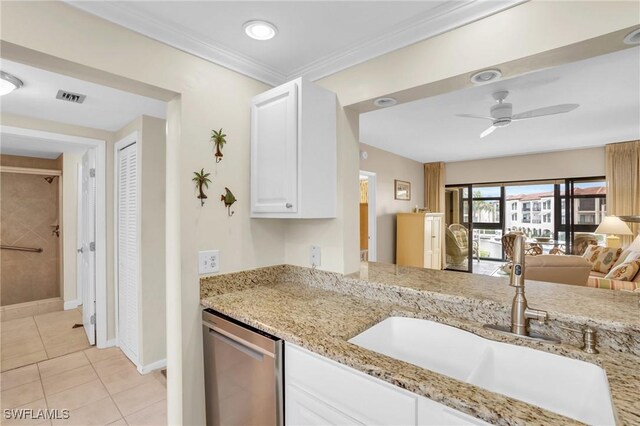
{"points": [[315, 258], [208, 262]]}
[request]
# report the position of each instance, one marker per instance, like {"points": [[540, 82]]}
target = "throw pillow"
{"points": [[626, 257], [601, 258], [624, 272]]}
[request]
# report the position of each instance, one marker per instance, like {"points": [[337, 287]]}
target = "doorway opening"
{"points": [[368, 219], [50, 237]]}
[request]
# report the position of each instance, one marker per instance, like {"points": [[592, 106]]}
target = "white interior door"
{"points": [[87, 249], [127, 234]]}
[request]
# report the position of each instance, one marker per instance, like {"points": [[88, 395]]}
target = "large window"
{"points": [[554, 209], [588, 204]]}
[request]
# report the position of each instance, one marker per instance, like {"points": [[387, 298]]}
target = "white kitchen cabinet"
{"points": [[319, 391], [293, 152]]}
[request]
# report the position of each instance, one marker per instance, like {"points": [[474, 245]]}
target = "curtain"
{"points": [[434, 176], [623, 183]]}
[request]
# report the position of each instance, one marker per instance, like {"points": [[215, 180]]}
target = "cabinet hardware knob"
{"points": [[288, 205]]}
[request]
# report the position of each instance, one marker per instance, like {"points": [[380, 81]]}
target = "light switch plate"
{"points": [[315, 258], [208, 262]]}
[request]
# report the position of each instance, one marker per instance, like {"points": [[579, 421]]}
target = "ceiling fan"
{"points": [[501, 113]]}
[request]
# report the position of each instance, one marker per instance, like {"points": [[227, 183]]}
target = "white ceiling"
{"points": [[104, 108], [606, 87], [315, 38], [28, 146]]}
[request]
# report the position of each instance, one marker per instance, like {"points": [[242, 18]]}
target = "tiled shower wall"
{"points": [[29, 212]]}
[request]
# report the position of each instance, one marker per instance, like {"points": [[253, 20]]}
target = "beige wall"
{"points": [[152, 148], [444, 63], [210, 97], [561, 164], [387, 167], [338, 238], [214, 97]]}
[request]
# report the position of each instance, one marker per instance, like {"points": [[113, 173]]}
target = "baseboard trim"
{"points": [[72, 304], [144, 369]]}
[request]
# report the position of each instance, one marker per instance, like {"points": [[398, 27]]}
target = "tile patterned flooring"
{"points": [[97, 386], [483, 267], [41, 337]]}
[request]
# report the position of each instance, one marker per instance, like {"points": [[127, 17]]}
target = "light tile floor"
{"points": [[483, 267], [28, 340], [97, 386]]}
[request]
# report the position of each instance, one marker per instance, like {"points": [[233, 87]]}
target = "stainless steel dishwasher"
{"points": [[243, 373]]}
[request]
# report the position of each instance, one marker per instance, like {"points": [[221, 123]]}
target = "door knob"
{"points": [[288, 205], [80, 250]]}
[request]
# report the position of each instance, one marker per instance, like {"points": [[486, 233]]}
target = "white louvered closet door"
{"points": [[128, 261]]}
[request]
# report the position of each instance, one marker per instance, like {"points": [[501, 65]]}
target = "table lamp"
{"points": [[612, 226]]}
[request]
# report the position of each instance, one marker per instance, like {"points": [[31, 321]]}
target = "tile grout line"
{"points": [[44, 395], [40, 337], [108, 392]]}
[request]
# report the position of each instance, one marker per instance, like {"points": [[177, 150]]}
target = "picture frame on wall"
{"points": [[402, 190]]}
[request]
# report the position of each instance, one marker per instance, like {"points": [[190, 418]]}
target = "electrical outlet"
{"points": [[315, 256], [208, 262]]}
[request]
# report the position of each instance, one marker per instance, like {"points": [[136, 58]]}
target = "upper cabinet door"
{"points": [[274, 150]]}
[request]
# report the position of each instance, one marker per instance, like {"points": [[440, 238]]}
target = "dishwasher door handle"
{"points": [[238, 344]]}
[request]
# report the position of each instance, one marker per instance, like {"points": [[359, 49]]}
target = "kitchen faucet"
{"points": [[521, 313]]}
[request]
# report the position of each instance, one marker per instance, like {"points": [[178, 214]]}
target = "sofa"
{"points": [[587, 270], [572, 270]]}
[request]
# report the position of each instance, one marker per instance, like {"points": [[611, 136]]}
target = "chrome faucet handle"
{"points": [[537, 315], [589, 338]]}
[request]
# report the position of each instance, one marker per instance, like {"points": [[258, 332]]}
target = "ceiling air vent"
{"points": [[76, 98]]}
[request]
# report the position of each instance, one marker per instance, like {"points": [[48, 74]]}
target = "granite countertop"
{"points": [[321, 311]]}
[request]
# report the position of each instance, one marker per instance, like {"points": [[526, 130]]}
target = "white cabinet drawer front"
{"points": [[349, 391], [431, 413], [305, 410], [274, 151]]}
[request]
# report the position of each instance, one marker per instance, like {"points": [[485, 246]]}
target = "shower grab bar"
{"points": [[36, 250]]}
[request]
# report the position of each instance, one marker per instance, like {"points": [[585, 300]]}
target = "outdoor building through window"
{"points": [[537, 209]]}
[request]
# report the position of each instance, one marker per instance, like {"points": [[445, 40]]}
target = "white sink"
{"points": [[566, 386]]}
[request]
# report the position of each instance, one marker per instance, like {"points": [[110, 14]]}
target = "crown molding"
{"points": [[446, 17], [181, 39]]}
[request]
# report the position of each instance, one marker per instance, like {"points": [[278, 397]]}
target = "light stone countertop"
{"points": [[321, 311]]}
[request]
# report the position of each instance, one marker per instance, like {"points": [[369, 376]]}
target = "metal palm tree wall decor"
{"points": [[218, 138], [202, 180]]}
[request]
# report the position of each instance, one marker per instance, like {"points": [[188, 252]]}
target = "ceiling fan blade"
{"points": [[541, 112], [488, 131], [474, 116]]}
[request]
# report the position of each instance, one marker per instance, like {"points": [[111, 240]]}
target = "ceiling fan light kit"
{"points": [[501, 114]]}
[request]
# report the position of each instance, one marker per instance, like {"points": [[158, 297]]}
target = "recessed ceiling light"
{"points": [[633, 37], [9, 83], [485, 76], [260, 30], [385, 102]]}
